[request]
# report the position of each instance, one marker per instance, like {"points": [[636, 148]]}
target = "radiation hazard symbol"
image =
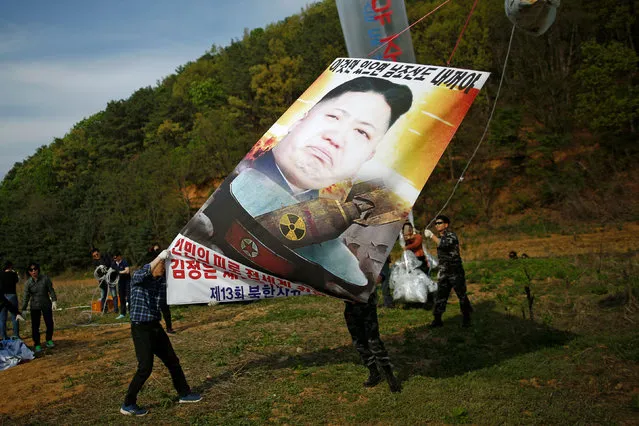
{"points": [[292, 227]]}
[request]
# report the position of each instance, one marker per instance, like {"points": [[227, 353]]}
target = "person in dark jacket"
{"points": [[5, 303], [122, 266], [39, 291], [106, 261], [8, 280], [451, 274]]}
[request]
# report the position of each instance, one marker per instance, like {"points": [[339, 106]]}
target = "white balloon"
{"points": [[532, 16]]}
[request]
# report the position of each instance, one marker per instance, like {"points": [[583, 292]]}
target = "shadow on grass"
{"points": [[280, 360], [419, 351], [452, 350]]}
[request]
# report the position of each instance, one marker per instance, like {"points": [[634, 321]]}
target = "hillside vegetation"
{"points": [[561, 151]]}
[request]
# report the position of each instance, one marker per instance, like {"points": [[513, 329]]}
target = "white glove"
{"points": [[164, 254], [428, 233], [19, 317], [54, 305]]}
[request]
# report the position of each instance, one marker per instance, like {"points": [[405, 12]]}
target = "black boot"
{"points": [[430, 302], [466, 320], [437, 322], [373, 376], [393, 382]]}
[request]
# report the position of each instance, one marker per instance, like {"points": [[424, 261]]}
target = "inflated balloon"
{"points": [[532, 16]]}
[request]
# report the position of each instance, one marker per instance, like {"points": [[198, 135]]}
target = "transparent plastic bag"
{"points": [[409, 283], [432, 261], [402, 241]]}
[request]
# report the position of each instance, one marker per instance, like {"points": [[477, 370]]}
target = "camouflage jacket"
{"points": [[448, 252]]}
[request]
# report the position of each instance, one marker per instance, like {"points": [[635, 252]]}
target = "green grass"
{"points": [[290, 361]]}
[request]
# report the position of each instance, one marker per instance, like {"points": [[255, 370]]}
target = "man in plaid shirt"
{"points": [[148, 293]]}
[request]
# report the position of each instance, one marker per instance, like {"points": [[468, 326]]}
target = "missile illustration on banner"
{"points": [[323, 219]]}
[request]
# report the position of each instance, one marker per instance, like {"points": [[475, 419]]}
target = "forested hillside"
{"points": [[563, 140]]}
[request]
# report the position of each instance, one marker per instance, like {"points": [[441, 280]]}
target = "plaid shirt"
{"points": [[147, 295]]}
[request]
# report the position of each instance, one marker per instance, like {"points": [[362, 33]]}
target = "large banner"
{"points": [[316, 206], [368, 24]]}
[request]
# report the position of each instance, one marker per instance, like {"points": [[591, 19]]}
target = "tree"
{"points": [[276, 83], [608, 99]]}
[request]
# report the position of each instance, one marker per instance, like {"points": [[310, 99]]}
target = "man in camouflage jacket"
{"points": [[451, 274]]}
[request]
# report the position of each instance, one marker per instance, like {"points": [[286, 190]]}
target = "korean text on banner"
{"points": [[368, 24]]}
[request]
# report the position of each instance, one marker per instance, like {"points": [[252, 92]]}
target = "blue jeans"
{"points": [[113, 291], [13, 298]]}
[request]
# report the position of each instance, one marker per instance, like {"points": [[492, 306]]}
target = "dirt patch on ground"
{"points": [[86, 351], [609, 241], [49, 378]]}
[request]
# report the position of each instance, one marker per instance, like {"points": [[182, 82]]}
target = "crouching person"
{"points": [[148, 293]]}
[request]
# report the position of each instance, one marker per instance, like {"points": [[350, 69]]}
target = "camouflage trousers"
{"points": [[455, 280], [361, 320]]}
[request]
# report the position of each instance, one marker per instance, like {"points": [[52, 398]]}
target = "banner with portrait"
{"points": [[316, 205]]}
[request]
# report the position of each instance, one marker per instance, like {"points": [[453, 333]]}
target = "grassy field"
{"points": [[290, 361]]}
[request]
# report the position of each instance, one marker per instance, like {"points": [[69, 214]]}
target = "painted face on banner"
{"points": [[333, 140]]}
